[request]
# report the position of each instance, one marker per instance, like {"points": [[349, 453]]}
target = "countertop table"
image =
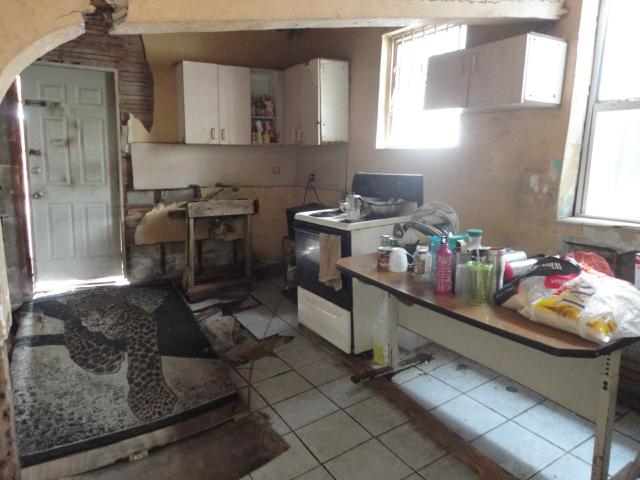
{"points": [[578, 374]]}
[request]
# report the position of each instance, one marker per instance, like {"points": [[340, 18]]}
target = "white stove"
{"points": [[321, 308], [334, 218]]}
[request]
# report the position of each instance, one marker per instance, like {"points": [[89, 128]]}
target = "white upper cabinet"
{"points": [[198, 119], [293, 105], [316, 102], [234, 87], [213, 103], [448, 80], [522, 71]]}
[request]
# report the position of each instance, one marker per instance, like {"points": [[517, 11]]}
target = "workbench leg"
{"points": [[191, 253], [248, 264], [392, 329], [605, 413]]}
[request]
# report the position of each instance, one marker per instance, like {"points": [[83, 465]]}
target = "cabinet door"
{"points": [[234, 87], [292, 105], [497, 73], [197, 85], [310, 95], [448, 80], [334, 101]]}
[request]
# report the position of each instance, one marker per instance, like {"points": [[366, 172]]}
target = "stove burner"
{"points": [[327, 213]]}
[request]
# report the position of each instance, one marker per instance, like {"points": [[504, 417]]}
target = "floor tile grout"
{"points": [[332, 354]]}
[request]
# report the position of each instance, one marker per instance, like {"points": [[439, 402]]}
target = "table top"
{"points": [[492, 318]]}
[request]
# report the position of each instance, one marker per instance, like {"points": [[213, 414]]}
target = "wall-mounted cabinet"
{"points": [[213, 103], [316, 102], [267, 98], [522, 71]]}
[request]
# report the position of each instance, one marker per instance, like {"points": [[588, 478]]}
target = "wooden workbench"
{"points": [[209, 209], [578, 374]]}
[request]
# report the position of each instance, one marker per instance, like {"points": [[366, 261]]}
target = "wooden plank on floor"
{"points": [[430, 425]]}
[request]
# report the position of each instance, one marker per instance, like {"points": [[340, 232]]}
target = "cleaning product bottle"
{"points": [[444, 262], [380, 337]]}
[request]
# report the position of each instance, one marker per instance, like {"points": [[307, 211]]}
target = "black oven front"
{"points": [[307, 244]]}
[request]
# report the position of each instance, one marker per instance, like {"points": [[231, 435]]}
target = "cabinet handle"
{"points": [[222, 136], [212, 134], [300, 136]]}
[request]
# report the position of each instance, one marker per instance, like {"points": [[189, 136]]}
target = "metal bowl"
{"points": [[383, 208]]}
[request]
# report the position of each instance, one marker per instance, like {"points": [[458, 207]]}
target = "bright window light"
{"points": [[611, 159], [408, 124]]}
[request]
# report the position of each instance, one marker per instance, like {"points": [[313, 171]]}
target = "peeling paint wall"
{"points": [[12, 204], [503, 176]]}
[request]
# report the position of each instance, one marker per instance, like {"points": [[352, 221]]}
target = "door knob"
{"points": [[37, 195]]}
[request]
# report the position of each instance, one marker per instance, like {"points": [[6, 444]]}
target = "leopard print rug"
{"points": [[100, 362]]}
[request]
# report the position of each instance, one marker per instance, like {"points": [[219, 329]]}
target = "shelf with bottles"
{"points": [[266, 103]]}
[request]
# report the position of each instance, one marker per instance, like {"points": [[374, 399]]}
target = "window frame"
{"points": [[387, 80], [594, 106]]}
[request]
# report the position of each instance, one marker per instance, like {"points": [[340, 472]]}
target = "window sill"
{"points": [[599, 222]]}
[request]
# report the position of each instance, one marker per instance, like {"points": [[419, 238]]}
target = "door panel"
{"points": [[92, 147], [72, 164], [60, 229], [234, 85], [309, 89], [292, 104], [334, 101], [198, 101], [448, 80], [497, 72], [56, 161]]}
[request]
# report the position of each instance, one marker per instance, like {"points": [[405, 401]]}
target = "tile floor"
{"points": [[343, 431]]}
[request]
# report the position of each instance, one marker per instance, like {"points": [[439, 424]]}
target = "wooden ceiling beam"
{"points": [[168, 16]]}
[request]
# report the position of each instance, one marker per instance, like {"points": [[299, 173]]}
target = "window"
{"points": [[405, 122], [610, 164]]}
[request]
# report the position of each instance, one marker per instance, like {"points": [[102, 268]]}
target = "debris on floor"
{"points": [[229, 451]]}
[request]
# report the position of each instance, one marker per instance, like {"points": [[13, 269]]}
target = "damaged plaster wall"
{"points": [[126, 55], [503, 176], [275, 175], [12, 204]]}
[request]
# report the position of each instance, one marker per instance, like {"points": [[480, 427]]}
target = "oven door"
{"points": [[307, 239]]}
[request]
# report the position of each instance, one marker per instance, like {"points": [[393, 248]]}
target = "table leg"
{"points": [[248, 262], [606, 409], [392, 331]]}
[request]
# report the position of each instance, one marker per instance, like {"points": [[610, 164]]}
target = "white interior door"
{"points": [[234, 97], [72, 162]]}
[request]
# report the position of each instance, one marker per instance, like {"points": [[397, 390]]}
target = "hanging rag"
{"points": [[330, 252]]}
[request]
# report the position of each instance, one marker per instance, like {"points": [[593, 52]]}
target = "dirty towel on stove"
{"points": [[330, 252]]}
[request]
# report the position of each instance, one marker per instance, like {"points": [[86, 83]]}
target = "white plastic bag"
{"points": [[589, 304]]}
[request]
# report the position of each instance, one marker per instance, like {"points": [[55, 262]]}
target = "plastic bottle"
{"points": [[444, 263], [462, 281], [380, 338]]}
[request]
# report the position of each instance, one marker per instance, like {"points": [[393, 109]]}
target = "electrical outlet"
{"points": [[276, 170]]}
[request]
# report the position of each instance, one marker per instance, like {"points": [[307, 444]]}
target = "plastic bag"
{"points": [[560, 294]]}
